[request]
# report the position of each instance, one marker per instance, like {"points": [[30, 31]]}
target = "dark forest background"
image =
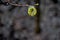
{"points": [[16, 24]]}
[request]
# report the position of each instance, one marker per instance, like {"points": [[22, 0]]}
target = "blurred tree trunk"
{"points": [[49, 20]]}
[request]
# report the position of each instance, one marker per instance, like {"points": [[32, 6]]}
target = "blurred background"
{"points": [[16, 24]]}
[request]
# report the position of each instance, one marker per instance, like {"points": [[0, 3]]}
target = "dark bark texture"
{"points": [[16, 24]]}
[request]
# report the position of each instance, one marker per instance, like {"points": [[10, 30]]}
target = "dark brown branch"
{"points": [[38, 29]]}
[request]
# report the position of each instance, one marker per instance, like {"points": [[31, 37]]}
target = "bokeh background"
{"points": [[16, 24]]}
